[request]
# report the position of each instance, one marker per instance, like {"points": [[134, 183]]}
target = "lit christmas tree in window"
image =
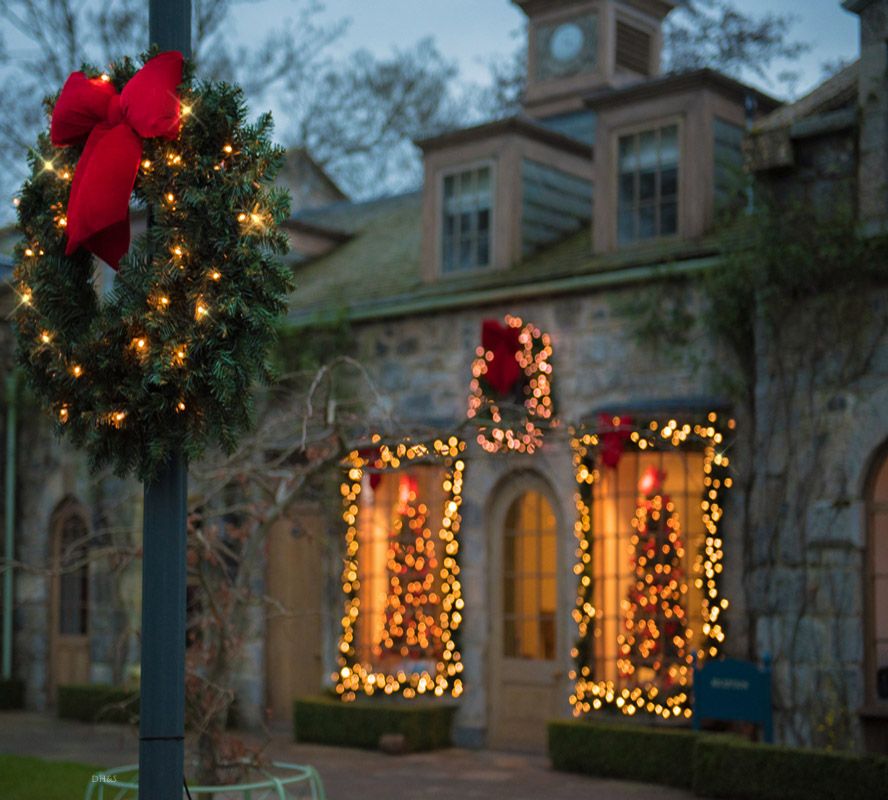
{"points": [[654, 647], [411, 629]]}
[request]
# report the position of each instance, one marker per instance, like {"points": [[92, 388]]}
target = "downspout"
{"points": [[9, 549]]}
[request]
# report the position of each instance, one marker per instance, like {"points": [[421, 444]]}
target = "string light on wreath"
{"points": [[596, 450], [510, 395], [167, 358]]}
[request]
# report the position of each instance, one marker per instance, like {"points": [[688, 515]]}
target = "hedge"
{"points": [[323, 720], [629, 752], [715, 765], [12, 694], [98, 703], [733, 768]]}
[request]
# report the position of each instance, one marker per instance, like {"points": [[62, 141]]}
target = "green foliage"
{"points": [[785, 254], [733, 768], [98, 703], [627, 752], [12, 693], [213, 246], [714, 765], [25, 778], [425, 726], [307, 349]]}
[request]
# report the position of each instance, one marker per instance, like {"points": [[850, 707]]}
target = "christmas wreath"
{"points": [[511, 390], [165, 358]]}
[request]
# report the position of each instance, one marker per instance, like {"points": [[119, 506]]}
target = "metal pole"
{"points": [[9, 550], [162, 695]]}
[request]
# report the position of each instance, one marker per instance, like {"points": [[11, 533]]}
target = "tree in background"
{"points": [[718, 34], [411, 628], [356, 116], [653, 647]]}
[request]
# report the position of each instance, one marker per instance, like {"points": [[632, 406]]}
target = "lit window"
{"points": [[648, 185], [649, 562], [529, 579], [399, 571], [647, 534], [466, 220]]}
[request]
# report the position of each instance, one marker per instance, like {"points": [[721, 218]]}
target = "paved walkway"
{"points": [[442, 775]]}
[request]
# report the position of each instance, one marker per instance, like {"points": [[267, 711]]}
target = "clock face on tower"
{"points": [[567, 48]]}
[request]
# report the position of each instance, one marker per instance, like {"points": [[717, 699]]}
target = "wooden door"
{"points": [[525, 647], [295, 582], [69, 597]]}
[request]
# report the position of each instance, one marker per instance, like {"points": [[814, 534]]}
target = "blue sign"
{"points": [[734, 691]]}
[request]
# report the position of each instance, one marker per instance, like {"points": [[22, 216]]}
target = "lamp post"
{"points": [[162, 695]]}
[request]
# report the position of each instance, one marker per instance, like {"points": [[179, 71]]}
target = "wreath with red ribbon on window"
{"points": [[511, 390]]}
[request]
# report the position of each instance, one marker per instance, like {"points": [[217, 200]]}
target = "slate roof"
{"points": [[377, 272], [833, 94]]}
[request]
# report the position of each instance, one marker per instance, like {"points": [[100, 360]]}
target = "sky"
{"points": [[471, 31]]}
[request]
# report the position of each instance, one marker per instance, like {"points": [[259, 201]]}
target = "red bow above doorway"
{"points": [[113, 126]]}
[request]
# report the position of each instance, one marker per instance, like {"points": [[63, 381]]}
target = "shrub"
{"points": [[425, 726], [730, 768], [98, 703], [12, 694], [629, 752]]}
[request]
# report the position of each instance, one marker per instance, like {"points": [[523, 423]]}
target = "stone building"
{"points": [[597, 205], [564, 536]]}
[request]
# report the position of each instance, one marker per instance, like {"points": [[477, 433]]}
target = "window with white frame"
{"points": [[648, 184], [466, 220]]}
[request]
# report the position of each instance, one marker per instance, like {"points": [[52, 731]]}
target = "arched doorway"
{"points": [[69, 597], [875, 710], [525, 665]]}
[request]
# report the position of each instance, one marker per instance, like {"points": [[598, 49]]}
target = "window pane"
{"points": [[627, 189], [628, 161], [626, 225], [647, 222], [529, 582], [669, 146], [635, 639], [647, 186], [398, 546], [668, 219], [467, 198], [647, 151], [669, 182]]}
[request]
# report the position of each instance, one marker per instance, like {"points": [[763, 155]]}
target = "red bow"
{"points": [[613, 435], [504, 342], [113, 126]]}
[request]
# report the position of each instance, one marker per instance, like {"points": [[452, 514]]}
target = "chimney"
{"points": [[872, 100]]}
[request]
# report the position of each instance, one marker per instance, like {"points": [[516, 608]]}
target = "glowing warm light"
{"points": [[105, 77], [215, 275], [228, 149], [146, 164], [62, 222], [63, 414], [76, 370], [200, 311], [419, 578], [180, 406], [658, 550], [170, 197], [45, 337], [186, 109], [500, 428]]}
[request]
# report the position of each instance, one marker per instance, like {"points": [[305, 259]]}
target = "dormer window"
{"points": [[648, 184], [467, 209]]}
